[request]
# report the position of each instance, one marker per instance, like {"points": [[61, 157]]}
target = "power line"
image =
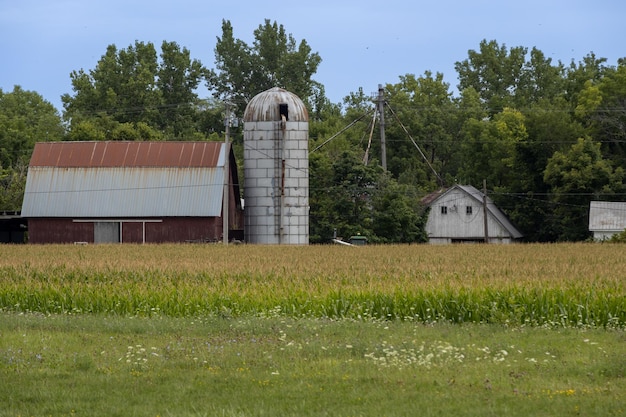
{"points": [[341, 131], [418, 148]]}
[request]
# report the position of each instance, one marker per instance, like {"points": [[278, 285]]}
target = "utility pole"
{"points": [[381, 112], [226, 197], [485, 211]]}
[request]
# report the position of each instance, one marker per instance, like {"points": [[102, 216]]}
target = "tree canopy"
{"points": [[25, 118], [548, 137], [274, 59], [132, 94]]}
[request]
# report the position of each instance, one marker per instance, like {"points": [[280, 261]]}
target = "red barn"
{"points": [[135, 192]]}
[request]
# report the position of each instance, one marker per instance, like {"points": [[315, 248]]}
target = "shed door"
{"points": [[106, 232]]}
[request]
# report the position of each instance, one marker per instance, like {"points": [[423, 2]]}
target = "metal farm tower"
{"points": [[276, 169]]}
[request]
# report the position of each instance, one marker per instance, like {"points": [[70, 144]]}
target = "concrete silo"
{"points": [[276, 169]]}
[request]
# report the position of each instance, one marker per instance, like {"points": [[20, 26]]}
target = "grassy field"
{"points": [[204, 330], [582, 285]]}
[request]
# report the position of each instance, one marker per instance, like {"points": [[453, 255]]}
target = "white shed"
{"points": [[606, 218], [457, 216]]}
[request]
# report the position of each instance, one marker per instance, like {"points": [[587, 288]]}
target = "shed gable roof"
{"points": [[608, 216], [125, 179]]}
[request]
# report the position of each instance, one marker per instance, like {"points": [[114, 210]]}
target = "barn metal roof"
{"points": [[126, 154], [125, 179], [608, 216]]}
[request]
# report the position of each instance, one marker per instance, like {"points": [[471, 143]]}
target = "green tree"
{"points": [[540, 80], [397, 216], [506, 78], [322, 217], [131, 89], [122, 87], [618, 237], [577, 176], [338, 131], [25, 118], [422, 153], [577, 75], [489, 146], [494, 72], [12, 183], [550, 128], [609, 117], [350, 198], [341, 192], [274, 59], [177, 80]]}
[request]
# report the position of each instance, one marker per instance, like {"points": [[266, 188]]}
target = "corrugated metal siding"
{"points": [[607, 216], [123, 192], [128, 154]]}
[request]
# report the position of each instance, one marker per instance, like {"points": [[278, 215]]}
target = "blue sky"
{"points": [[362, 43]]}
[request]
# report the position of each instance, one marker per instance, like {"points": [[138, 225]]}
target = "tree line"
{"points": [[547, 137]]}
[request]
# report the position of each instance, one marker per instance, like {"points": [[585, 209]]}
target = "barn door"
{"points": [[106, 232]]}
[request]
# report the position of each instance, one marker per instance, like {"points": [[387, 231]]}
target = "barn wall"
{"points": [[132, 232], [183, 229], [41, 230]]}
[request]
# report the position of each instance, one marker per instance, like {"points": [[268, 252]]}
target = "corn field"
{"points": [[538, 285]]}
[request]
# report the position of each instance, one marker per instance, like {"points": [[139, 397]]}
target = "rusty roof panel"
{"points": [[93, 154], [127, 154]]}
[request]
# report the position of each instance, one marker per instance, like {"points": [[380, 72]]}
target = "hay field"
{"points": [[535, 284]]}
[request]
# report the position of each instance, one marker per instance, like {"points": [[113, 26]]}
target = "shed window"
{"points": [[468, 210], [444, 209]]}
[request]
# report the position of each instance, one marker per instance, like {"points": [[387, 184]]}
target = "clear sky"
{"points": [[362, 43]]}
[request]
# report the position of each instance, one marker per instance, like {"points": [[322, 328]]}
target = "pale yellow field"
{"points": [[322, 268]]}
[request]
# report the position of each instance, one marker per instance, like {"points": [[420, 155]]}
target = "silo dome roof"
{"points": [[266, 107]]}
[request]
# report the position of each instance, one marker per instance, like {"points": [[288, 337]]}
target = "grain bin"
{"points": [[276, 169]]}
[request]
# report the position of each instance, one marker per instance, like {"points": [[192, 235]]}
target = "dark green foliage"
{"points": [[273, 60], [134, 95], [341, 193], [12, 183], [25, 118], [397, 215], [618, 237], [576, 177], [516, 123]]}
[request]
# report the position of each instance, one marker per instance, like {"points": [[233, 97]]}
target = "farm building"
{"points": [[136, 192], [276, 169], [457, 216], [606, 218], [12, 227]]}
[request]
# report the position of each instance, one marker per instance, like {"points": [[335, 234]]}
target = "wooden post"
{"points": [[485, 211], [226, 197], [381, 114]]}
